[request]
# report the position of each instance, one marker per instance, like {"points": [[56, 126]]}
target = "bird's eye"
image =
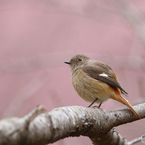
{"points": [[79, 59]]}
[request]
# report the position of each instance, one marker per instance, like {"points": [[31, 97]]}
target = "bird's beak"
{"points": [[67, 62]]}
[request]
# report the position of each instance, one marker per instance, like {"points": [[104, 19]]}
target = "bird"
{"points": [[96, 82]]}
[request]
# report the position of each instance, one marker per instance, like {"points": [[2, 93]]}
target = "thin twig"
{"points": [[135, 141]]}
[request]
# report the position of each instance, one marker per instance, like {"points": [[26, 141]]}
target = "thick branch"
{"points": [[63, 122]]}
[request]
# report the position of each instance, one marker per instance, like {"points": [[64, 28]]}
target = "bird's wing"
{"points": [[104, 74]]}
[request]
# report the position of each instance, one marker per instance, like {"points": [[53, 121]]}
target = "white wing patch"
{"points": [[103, 75]]}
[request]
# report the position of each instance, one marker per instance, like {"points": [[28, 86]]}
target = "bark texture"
{"points": [[40, 129]]}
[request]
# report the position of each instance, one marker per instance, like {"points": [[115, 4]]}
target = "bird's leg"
{"points": [[94, 102], [100, 105]]}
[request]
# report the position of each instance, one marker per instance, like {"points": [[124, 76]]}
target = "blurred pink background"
{"points": [[37, 36]]}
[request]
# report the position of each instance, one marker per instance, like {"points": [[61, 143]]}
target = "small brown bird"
{"points": [[96, 82]]}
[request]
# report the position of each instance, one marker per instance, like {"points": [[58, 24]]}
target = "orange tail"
{"points": [[125, 102]]}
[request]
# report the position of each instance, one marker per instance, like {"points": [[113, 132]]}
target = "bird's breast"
{"points": [[89, 89]]}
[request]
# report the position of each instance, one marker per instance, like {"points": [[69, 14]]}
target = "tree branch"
{"points": [[97, 124], [135, 141]]}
